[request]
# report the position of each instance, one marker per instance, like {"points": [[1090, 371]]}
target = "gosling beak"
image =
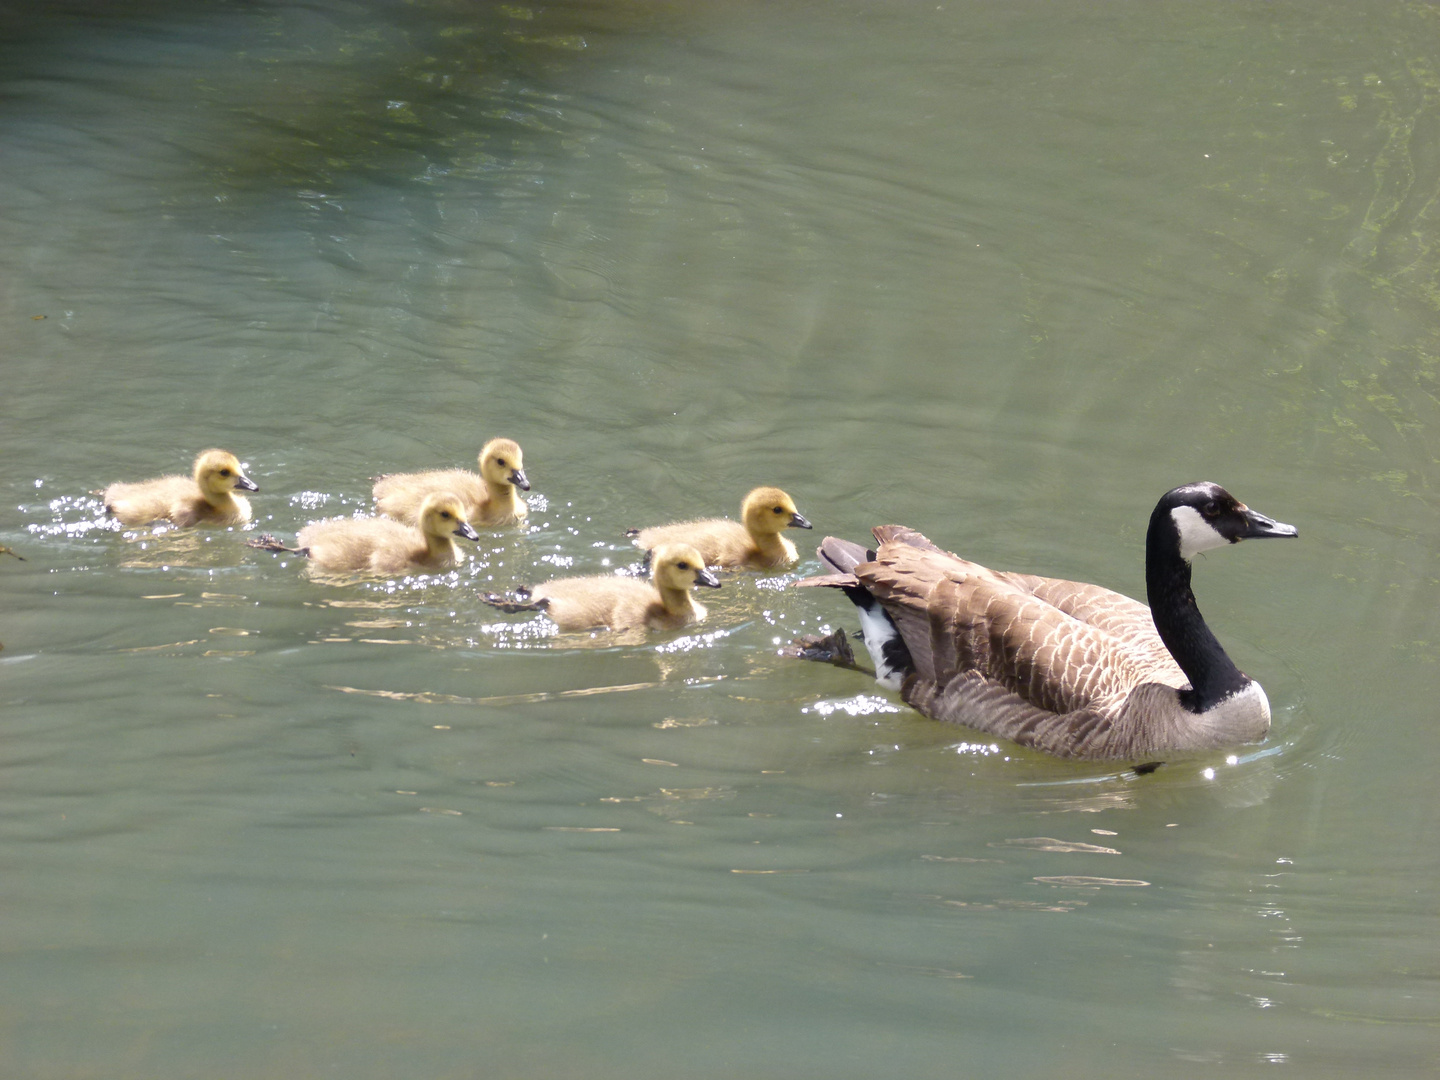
{"points": [[519, 479], [705, 576], [797, 521], [464, 529], [1260, 527], [244, 483]]}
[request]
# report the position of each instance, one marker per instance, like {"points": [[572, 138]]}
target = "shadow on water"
{"points": [[311, 96]]}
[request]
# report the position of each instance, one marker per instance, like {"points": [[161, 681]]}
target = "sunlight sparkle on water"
{"points": [[976, 749], [859, 705], [93, 510], [692, 642]]}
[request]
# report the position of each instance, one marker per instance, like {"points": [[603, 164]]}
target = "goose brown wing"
{"points": [[959, 617], [1127, 620]]}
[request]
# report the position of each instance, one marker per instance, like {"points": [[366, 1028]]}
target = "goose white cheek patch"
{"points": [[1196, 534]]}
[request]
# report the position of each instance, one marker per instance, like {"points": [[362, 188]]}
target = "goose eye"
{"points": [[1211, 509]]}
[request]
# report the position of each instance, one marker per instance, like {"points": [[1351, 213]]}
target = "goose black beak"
{"points": [[519, 479], [464, 529], [797, 520], [1260, 527], [244, 483], [705, 576]]}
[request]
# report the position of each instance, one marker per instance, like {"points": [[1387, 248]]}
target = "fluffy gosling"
{"points": [[622, 603], [207, 497], [382, 546], [754, 541], [490, 497]]}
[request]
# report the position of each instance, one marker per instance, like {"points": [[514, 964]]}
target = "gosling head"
{"points": [[503, 463], [1199, 517], [680, 567], [770, 510], [443, 514], [217, 472]]}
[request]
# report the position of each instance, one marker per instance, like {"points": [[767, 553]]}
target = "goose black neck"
{"points": [[1213, 676]]}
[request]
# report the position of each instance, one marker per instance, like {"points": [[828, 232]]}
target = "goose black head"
{"points": [[1203, 515]]}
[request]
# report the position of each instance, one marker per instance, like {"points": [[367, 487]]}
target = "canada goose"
{"points": [[1065, 667], [382, 546], [753, 541], [489, 497], [207, 497], [622, 603]]}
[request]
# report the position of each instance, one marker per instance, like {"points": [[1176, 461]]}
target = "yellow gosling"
{"points": [[382, 546], [207, 497], [755, 541], [490, 497], [665, 602]]}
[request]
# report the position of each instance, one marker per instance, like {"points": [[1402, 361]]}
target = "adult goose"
{"points": [[1065, 667]]}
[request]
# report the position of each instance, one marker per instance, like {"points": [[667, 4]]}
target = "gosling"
{"points": [[490, 498], [622, 603], [382, 546], [754, 541], [207, 497]]}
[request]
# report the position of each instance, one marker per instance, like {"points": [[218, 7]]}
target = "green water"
{"points": [[1002, 272]]}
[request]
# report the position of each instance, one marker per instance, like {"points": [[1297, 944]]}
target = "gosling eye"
{"points": [[779, 509], [224, 472], [682, 566], [500, 461]]}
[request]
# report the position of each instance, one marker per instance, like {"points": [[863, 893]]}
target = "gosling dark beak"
{"points": [[1260, 527], [519, 479], [244, 483], [705, 576], [797, 521], [464, 529]]}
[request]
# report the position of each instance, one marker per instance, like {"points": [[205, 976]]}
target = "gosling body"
{"points": [[206, 497], [491, 496], [665, 602], [383, 546], [1066, 667], [755, 541]]}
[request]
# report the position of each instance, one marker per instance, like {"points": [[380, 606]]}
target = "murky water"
{"points": [[1003, 272]]}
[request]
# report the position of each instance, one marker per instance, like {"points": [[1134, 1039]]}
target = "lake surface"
{"points": [[1002, 272]]}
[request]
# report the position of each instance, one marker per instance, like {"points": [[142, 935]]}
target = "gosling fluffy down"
{"points": [[490, 498], [623, 603], [754, 541], [382, 546], [207, 497]]}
